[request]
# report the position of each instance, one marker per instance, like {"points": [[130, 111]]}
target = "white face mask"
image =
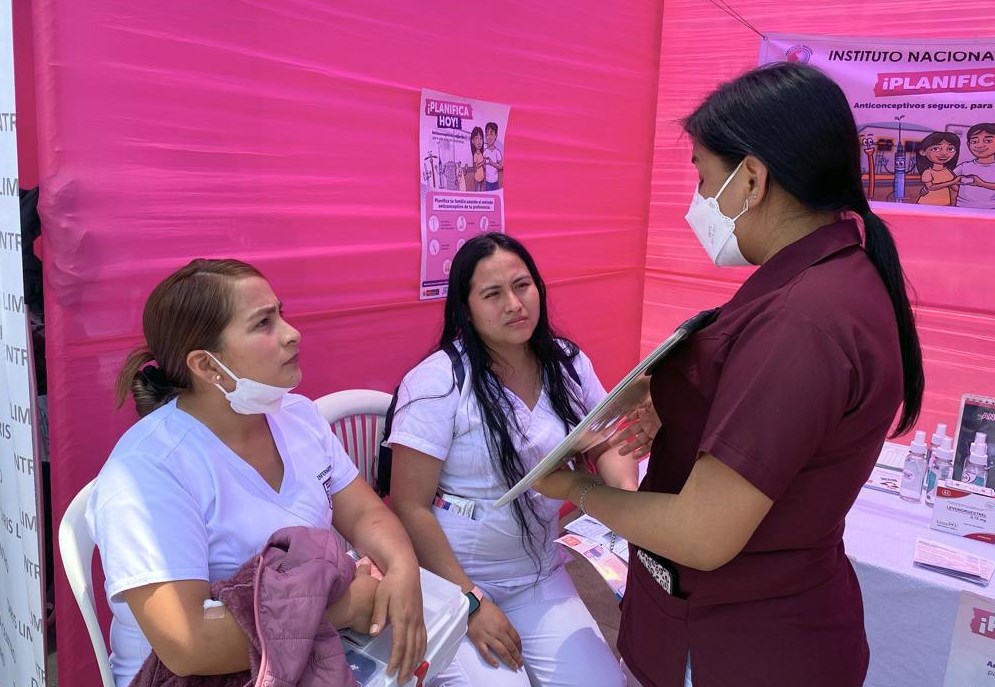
{"points": [[714, 230], [251, 397]]}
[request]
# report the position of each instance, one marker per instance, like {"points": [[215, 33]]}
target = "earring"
{"points": [[217, 378]]}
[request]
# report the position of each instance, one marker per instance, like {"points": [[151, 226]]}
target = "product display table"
{"points": [[909, 612]]}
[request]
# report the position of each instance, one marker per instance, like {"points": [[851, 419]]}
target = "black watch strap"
{"points": [[474, 597]]}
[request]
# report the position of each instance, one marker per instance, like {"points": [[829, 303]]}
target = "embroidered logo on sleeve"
{"points": [[325, 477]]}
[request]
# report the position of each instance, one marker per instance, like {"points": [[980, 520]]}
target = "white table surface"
{"points": [[909, 612]]}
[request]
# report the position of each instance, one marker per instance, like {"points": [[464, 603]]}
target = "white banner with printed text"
{"points": [[22, 622]]}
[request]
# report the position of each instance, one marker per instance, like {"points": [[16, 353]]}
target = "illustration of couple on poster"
{"points": [[969, 184], [488, 160]]}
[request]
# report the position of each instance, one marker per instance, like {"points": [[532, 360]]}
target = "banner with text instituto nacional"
{"points": [[925, 112], [22, 623]]}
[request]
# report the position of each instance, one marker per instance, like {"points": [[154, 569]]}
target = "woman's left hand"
{"points": [[558, 484], [399, 601], [642, 424]]}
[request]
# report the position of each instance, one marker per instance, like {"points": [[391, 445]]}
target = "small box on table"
{"points": [[965, 510]]}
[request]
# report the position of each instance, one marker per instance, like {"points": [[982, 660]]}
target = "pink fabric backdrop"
{"points": [[947, 257], [24, 95], [285, 134]]}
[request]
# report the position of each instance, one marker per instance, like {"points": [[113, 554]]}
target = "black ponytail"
{"points": [[880, 248], [798, 122]]}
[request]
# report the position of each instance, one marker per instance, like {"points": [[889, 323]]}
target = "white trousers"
{"points": [[561, 643]]}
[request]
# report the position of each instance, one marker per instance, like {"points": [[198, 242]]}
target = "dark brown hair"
{"points": [[186, 312]]}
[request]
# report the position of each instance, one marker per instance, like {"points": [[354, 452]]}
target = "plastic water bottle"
{"points": [[976, 468], [914, 471], [934, 443], [942, 468]]}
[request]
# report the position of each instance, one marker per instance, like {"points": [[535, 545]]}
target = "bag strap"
{"points": [[456, 358], [385, 453]]}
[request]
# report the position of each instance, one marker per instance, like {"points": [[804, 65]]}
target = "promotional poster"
{"points": [[925, 113], [462, 171]]}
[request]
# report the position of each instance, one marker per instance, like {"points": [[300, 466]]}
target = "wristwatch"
{"points": [[474, 596]]}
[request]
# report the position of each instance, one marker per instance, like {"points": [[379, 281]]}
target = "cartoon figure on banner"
{"points": [[430, 175], [451, 171], [450, 176], [869, 146], [976, 188], [899, 193], [477, 154], [443, 173], [935, 161], [493, 159]]}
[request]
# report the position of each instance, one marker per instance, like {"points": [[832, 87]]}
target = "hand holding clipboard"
{"points": [[599, 424]]}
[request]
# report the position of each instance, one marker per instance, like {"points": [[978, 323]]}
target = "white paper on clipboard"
{"points": [[599, 424]]}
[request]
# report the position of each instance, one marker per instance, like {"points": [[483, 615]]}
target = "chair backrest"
{"points": [[76, 547], [357, 419]]}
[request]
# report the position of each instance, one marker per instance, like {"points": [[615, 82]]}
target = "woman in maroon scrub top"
{"points": [[773, 415]]}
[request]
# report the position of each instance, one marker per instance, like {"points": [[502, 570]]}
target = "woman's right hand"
{"points": [[354, 609], [363, 591], [494, 635]]}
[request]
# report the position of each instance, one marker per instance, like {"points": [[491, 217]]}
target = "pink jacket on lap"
{"points": [[279, 598]]}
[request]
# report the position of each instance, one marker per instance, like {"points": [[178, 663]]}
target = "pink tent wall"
{"points": [[285, 134], [24, 95], [948, 258]]}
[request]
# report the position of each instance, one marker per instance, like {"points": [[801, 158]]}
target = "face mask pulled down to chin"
{"points": [[716, 231], [251, 397]]}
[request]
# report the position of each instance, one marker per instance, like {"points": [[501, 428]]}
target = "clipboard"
{"points": [[599, 424]]}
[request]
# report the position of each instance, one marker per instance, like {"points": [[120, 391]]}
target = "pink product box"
{"points": [[965, 510]]}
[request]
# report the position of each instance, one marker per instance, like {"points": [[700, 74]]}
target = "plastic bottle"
{"points": [[934, 443], [942, 468], [976, 468], [937, 440], [914, 471]]}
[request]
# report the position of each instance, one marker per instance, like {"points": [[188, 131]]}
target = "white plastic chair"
{"points": [[357, 419], [76, 548]]}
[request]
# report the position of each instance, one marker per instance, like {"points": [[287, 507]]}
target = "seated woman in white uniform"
{"points": [[523, 390], [222, 457]]}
